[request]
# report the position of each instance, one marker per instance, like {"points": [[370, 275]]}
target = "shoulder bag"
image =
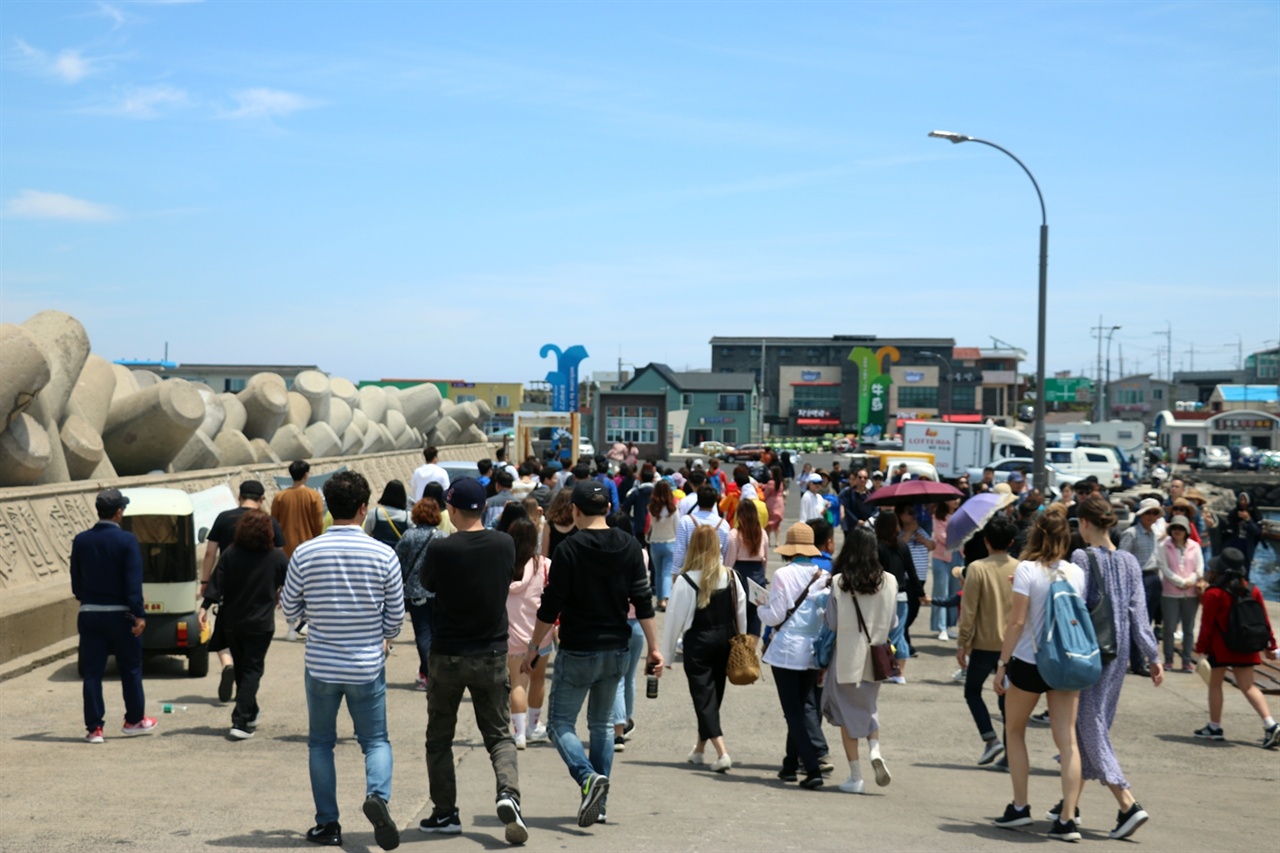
{"points": [[883, 664], [744, 664], [1102, 614]]}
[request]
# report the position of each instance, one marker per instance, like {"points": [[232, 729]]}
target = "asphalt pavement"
{"points": [[189, 787]]}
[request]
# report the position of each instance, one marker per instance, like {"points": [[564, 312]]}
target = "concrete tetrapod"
{"points": [[81, 447], [145, 431], [24, 451], [291, 443], [345, 390], [324, 441], [360, 421], [198, 453], [446, 432], [92, 393], [299, 411], [234, 448], [26, 371], [339, 415], [393, 399], [266, 405], [314, 385], [420, 402], [215, 413], [396, 424], [145, 378], [474, 435], [126, 383], [65, 345], [352, 440], [373, 402], [263, 453], [235, 415]]}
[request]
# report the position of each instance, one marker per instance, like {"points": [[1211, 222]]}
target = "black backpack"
{"points": [[1247, 628]]}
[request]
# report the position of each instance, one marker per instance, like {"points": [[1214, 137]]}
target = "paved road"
{"points": [[190, 788]]}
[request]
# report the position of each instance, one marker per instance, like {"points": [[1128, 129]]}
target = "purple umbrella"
{"points": [[973, 515], [914, 492]]}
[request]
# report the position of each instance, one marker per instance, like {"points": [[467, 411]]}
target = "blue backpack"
{"points": [[1067, 655]]}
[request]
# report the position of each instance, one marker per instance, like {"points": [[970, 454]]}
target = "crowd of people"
{"points": [[535, 588]]}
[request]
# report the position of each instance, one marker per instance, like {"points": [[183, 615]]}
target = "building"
{"points": [[1138, 397], [847, 382], [1197, 386], [661, 410], [1236, 428], [1230, 398]]}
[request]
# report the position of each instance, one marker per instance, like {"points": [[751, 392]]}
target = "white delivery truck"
{"points": [[959, 447]]}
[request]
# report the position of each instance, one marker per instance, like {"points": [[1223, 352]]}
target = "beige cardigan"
{"points": [[851, 664]]}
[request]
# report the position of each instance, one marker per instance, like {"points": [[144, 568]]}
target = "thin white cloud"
{"points": [[267, 103], [69, 66], [35, 204], [111, 13], [144, 102]]}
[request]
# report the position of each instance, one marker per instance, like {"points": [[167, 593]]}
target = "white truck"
{"points": [[956, 448]]}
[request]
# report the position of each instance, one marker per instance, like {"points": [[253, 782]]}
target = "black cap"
{"points": [[591, 497], [252, 489], [466, 493], [111, 500]]}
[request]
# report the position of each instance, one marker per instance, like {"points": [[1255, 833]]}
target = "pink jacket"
{"points": [[523, 598], [1187, 566]]}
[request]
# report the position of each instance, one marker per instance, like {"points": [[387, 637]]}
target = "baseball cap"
{"points": [[815, 478], [590, 496], [1016, 477], [111, 499], [466, 493], [252, 489]]}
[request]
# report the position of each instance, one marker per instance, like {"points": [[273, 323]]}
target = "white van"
{"points": [[1081, 462]]}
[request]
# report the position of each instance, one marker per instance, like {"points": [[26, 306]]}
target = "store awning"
{"points": [[818, 421]]}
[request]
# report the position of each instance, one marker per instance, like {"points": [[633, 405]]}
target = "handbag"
{"points": [[1102, 615], [883, 664], [744, 664]]}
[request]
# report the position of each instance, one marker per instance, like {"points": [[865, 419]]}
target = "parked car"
{"points": [[1213, 457], [457, 470], [1246, 458], [715, 449], [1026, 414], [1005, 467], [1081, 462], [751, 452], [586, 448]]}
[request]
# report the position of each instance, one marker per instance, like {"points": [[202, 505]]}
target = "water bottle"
{"points": [[168, 708], [651, 684]]}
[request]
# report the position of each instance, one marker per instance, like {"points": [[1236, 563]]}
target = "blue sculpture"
{"points": [[564, 379]]}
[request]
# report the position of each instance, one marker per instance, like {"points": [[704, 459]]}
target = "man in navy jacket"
{"points": [[106, 578]]}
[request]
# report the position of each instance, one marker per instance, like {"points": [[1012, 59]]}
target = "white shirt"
{"points": [[749, 492], [792, 647], [428, 473], [1032, 580], [687, 503], [812, 505], [684, 532], [684, 603]]}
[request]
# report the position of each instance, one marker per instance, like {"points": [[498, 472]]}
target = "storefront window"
{"points": [[637, 424]]}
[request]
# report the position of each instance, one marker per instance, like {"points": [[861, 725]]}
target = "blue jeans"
{"points": [[420, 617], [624, 704], [662, 555], [110, 633], [367, 705], [945, 585], [897, 635], [590, 677]]}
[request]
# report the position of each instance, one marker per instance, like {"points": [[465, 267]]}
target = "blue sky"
{"points": [[437, 189]]}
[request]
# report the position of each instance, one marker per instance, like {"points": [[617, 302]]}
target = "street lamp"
{"points": [[945, 361], [1038, 435]]}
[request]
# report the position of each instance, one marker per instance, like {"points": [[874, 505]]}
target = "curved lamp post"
{"points": [[1039, 432]]}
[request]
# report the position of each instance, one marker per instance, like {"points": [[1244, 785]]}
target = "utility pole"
{"points": [[760, 396], [1097, 396], [1121, 348]]}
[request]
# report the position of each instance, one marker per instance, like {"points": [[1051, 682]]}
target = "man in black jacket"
{"points": [[106, 578], [594, 576]]}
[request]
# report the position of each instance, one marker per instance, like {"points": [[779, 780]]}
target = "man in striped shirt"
{"points": [[349, 588]]}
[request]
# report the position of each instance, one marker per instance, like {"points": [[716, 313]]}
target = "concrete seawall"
{"points": [[37, 524]]}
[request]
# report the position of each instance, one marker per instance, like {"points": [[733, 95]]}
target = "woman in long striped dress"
{"points": [[1122, 578]]}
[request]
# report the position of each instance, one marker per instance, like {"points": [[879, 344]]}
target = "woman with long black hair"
{"points": [[862, 610]]}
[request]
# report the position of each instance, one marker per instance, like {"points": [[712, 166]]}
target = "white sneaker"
{"points": [[722, 764], [897, 679], [302, 632], [696, 757], [852, 786], [960, 676], [292, 636], [521, 741], [943, 636], [882, 772], [538, 734]]}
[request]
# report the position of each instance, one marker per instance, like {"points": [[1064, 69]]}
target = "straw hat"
{"points": [[1197, 496], [1002, 489], [799, 541]]}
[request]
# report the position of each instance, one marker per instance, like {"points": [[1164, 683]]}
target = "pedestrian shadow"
{"points": [[262, 838], [994, 833], [990, 768], [768, 772], [1192, 740], [301, 738], [196, 700], [202, 731], [48, 737], [486, 830]]}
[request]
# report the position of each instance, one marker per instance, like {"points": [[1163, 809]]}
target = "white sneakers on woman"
{"points": [[722, 764]]}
